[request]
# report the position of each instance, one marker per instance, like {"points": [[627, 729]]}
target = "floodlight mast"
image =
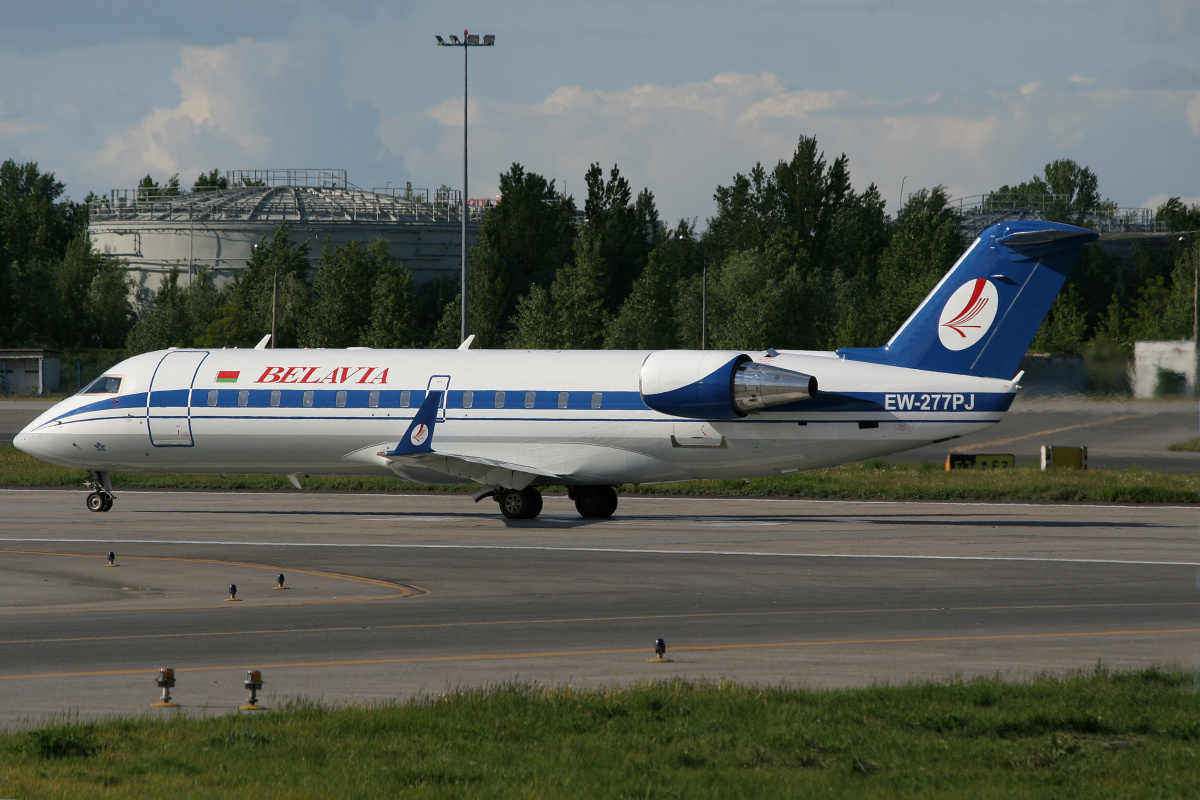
{"points": [[469, 40]]}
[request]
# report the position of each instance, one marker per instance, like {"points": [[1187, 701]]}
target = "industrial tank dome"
{"points": [[156, 230]]}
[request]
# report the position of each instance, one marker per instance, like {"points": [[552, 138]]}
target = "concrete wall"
{"points": [[1152, 359]]}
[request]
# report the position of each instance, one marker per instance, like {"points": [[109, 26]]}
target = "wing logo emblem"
{"points": [[419, 435], [968, 314]]}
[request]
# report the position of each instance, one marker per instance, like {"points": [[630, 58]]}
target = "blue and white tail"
{"points": [[982, 316]]}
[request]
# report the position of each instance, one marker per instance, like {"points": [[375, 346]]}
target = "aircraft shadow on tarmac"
{"points": [[558, 522]]}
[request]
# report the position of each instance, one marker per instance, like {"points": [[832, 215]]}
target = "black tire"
{"points": [[95, 502], [108, 503], [514, 504], [596, 502], [534, 498]]}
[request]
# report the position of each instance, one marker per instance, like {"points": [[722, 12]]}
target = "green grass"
{"points": [[1089, 735], [874, 479], [1190, 446]]}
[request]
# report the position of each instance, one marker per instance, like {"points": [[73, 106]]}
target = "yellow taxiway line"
{"points": [[624, 651]]}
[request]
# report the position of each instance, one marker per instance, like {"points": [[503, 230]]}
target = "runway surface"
{"points": [[394, 595]]}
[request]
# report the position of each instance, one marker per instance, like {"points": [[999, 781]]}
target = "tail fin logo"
{"points": [[968, 314], [419, 434]]}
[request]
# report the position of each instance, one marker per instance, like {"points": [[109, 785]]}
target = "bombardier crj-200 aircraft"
{"points": [[513, 421]]}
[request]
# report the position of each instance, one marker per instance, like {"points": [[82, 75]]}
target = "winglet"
{"points": [[262, 345], [419, 436], [466, 345]]}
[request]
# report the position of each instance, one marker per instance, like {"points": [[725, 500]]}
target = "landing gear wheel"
{"points": [[535, 502], [520, 503], [101, 498], [595, 502]]}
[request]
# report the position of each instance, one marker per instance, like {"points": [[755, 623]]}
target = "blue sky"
{"points": [[680, 94]]}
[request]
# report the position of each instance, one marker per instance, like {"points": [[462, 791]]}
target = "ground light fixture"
{"points": [[468, 41]]}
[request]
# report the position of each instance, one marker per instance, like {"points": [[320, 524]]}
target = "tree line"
{"points": [[794, 257]]}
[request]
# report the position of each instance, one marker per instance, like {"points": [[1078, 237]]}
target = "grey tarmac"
{"points": [[392, 595]]}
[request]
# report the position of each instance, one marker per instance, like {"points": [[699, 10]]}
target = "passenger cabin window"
{"points": [[373, 399], [562, 399], [468, 399], [243, 397], [340, 400], [499, 400], [308, 397], [275, 398], [105, 384], [405, 398], [597, 397], [212, 397], [529, 398]]}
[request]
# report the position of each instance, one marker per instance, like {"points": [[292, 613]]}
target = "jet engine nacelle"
{"points": [[718, 384]]}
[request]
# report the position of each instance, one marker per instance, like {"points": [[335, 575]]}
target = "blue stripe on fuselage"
{"points": [[484, 400]]}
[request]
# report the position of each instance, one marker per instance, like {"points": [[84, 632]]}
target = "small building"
{"points": [[1163, 368], [29, 372]]}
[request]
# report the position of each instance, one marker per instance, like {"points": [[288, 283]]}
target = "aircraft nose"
{"points": [[24, 441], [37, 444]]}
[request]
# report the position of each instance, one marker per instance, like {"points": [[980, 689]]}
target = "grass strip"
{"points": [[1094, 734], [1190, 446], [868, 480]]}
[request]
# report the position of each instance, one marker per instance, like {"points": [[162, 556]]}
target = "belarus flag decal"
{"points": [[228, 375]]}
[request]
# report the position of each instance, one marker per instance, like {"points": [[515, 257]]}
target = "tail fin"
{"points": [[982, 316]]}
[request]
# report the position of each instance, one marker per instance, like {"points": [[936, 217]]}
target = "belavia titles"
{"points": [[514, 421]]}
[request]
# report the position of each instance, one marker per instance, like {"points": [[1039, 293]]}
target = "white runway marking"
{"points": [[617, 550]]}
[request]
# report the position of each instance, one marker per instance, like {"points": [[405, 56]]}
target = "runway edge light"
{"points": [[254, 682], [166, 682], [112, 559], [233, 598], [660, 653]]}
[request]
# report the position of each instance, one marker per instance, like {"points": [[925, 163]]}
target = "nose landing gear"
{"points": [[101, 498]]}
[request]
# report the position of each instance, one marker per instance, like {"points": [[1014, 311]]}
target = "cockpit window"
{"points": [[105, 384]]}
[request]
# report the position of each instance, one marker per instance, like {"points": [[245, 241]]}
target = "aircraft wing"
{"points": [[415, 451], [486, 471]]}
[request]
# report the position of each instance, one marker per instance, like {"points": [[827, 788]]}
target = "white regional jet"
{"points": [[591, 420]]}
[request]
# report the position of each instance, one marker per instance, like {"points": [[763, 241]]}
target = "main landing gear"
{"points": [[519, 503], [592, 502], [101, 498]]}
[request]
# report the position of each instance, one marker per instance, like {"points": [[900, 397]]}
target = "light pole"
{"points": [[469, 40]]}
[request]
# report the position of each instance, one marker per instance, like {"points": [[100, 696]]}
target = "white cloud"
{"points": [[1192, 112], [1178, 18], [1158, 199], [17, 128], [683, 141], [246, 104], [225, 104]]}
